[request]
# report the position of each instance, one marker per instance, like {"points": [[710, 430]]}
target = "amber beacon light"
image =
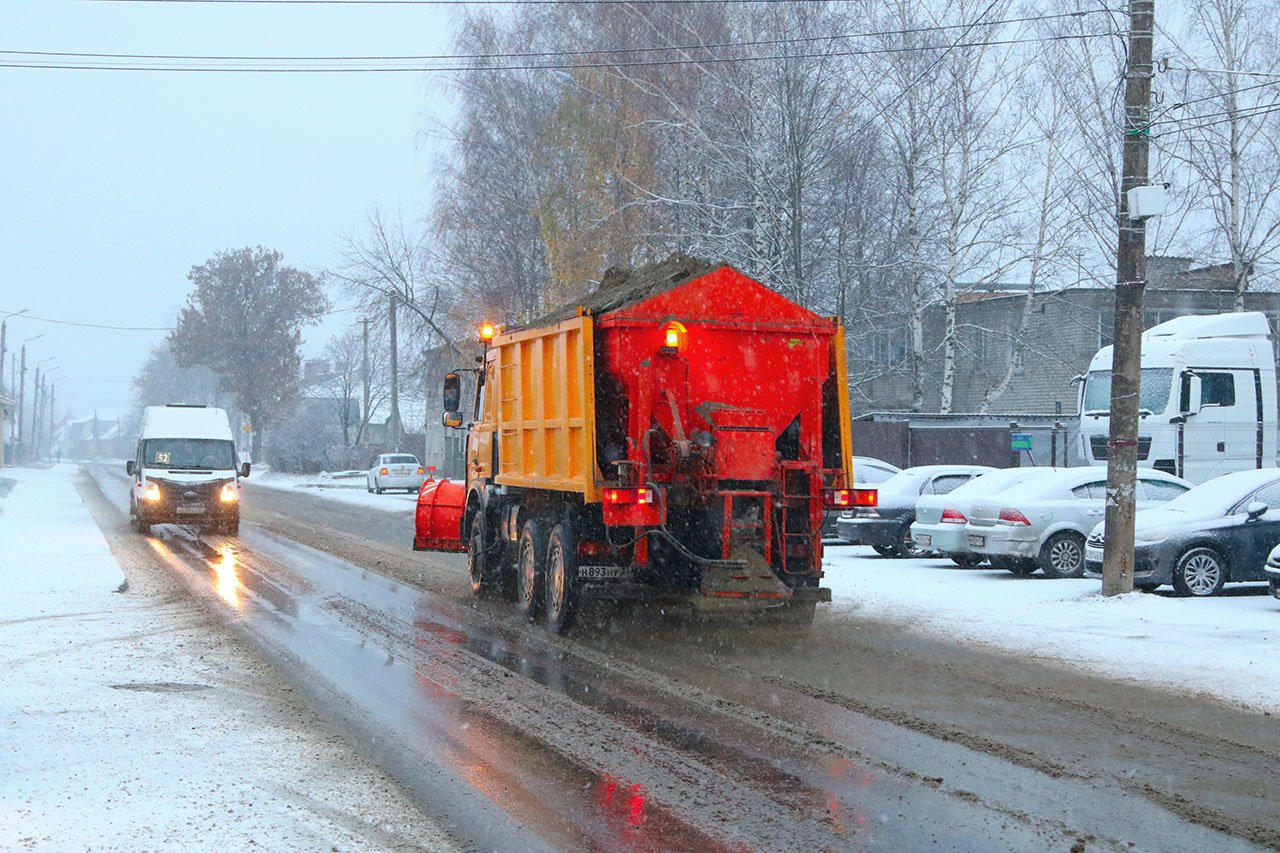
{"points": [[487, 331], [673, 337]]}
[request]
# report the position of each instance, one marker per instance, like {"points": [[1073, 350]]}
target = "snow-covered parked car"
{"points": [[1272, 570], [867, 471], [1043, 523], [395, 471], [1221, 531], [887, 526], [940, 519]]}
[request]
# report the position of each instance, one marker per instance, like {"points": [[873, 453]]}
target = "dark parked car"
{"points": [[1221, 531], [867, 471], [887, 526]]}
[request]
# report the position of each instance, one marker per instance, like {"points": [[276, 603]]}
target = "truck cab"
{"points": [[1207, 398]]}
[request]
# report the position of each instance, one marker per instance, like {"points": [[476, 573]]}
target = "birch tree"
{"points": [[1226, 131]]}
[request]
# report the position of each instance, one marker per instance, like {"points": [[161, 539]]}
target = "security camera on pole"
{"points": [[1138, 203]]}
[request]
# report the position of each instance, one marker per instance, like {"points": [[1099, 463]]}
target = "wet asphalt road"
{"points": [[642, 732]]}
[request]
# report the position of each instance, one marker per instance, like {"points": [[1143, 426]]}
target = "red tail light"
{"points": [[382, 471], [866, 497], [836, 497], [953, 516], [420, 471], [1011, 516], [628, 496]]}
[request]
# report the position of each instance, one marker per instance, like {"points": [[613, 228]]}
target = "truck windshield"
{"points": [[1153, 391], [188, 453]]}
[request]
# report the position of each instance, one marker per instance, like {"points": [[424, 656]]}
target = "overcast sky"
{"points": [[113, 184]]}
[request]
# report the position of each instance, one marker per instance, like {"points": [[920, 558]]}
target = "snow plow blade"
{"points": [[438, 522]]}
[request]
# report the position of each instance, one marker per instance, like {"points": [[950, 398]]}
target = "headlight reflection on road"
{"points": [[228, 579]]}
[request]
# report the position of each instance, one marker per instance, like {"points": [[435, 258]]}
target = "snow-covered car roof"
{"points": [[1065, 479]]}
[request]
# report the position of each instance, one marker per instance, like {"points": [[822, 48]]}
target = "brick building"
{"points": [[1064, 330]]}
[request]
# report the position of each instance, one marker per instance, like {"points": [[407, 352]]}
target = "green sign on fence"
{"points": [[1020, 440]]}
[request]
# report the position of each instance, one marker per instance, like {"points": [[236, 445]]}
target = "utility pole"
{"points": [[53, 396], [34, 440], [395, 381], [364, 377], [1131, 271], [4, 329]]}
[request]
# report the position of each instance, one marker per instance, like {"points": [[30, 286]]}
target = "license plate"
{"points": [[925, 540], [604, 572], [191, 509], [977, 541], [402, 472]]}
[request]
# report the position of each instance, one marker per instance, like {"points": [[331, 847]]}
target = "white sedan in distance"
{"points": [[1042, 523], [395, 471], [940, 519]]}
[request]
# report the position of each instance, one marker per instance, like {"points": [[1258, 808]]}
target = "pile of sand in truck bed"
{"points": [[620, 287]]}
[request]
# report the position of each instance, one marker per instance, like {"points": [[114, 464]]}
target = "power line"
{"points": [[1247, 113], [422, 69], [463, 57], [139, 328]]}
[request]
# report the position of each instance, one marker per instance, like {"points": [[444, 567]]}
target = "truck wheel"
{"points": [[1063, 556], [230, 528], [906, 547], [530, 561], [1199, 572], [561, 599]]}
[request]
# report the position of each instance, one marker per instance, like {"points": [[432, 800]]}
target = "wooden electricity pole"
{"points": [[1131, 270], [395, 381]]}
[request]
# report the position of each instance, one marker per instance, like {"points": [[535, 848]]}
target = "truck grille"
{"points": [[1098, 447]]}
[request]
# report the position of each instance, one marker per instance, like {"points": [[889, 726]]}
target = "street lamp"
{"points": [[4, 328]]}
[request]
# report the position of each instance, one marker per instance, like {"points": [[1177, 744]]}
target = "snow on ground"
{"points": [[345, 486], [1226, 647], [135, 721]]}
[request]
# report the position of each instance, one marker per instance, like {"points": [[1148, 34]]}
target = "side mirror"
{"points": [[1191, 398], [131, 467], [244, 469], [453, 420], [1255, 510], [1075, 380], [452, 392]]}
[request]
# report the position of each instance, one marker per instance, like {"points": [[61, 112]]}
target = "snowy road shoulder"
{"points": [[340, 488], [1222, 647], [136, 720]]}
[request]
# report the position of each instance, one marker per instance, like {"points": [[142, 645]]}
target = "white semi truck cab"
{"points": [[1207, 399]]}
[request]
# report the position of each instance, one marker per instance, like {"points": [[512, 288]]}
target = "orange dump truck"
{"points": [[677, 435]]}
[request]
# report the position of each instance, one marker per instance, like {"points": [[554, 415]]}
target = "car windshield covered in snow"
{"points": [[901, 483], [195, 453], [1219, 495]]}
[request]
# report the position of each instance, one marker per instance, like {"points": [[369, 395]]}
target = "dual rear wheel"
{"points": [[546, 570]]}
